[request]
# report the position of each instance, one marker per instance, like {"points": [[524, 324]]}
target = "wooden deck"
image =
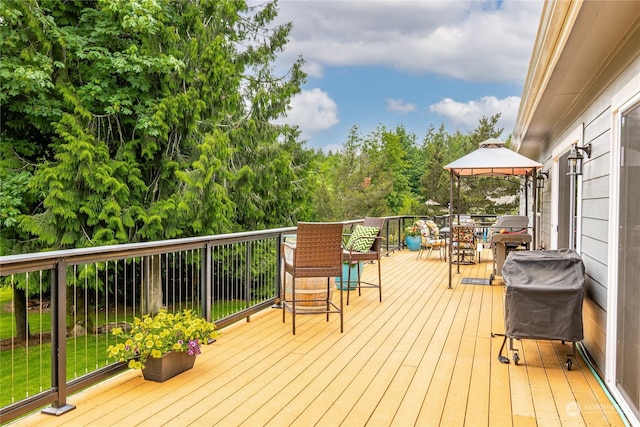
{"points": [[424, 356]]}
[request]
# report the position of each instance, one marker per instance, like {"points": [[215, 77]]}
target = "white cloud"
{"points": [[445, 42], [466, 115], [313, 69], [312, 111], [468, 40], [400, 106]]}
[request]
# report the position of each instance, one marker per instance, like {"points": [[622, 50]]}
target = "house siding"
{"points": [[584, 69], [595, 214]]}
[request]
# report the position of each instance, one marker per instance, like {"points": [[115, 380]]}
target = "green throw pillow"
{"points": [[359, 241]]}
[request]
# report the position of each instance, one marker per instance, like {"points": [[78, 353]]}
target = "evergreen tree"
{"points": [[491, 195], [435, 180], [369, 177], [128, 120], [148, 120]]}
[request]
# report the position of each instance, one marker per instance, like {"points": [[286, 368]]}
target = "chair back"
{"points": [[318, 249], [463, 235], [375, 222], [435, 230]]}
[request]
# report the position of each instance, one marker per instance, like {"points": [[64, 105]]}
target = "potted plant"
{"points": [[163, 345], [413, 237], [355, 267]]}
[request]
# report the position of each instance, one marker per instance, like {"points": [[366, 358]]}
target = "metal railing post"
{"points": [[59, 340], [386, 225], [279, 272], [206, 282], [247, 276]]}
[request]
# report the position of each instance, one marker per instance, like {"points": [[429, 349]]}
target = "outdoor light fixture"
{"points": [[540, 179], [575, 159]]}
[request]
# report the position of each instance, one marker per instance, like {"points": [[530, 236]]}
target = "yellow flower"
{"points": [[152, 336]]}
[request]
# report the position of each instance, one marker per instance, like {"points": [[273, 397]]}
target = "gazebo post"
{"points": [[458, 231], [534, 209], [450, 222], [526, 194]]}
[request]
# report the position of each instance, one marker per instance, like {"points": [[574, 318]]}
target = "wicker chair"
{"points": [[464, 244], [370, 255], [317, 252], [431, 239]]}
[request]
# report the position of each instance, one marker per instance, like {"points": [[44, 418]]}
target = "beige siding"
{"points": [[597, 120], [595, 324]]}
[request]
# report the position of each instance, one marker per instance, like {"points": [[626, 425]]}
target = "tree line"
{"points": [[126, 121], [390, 172], [137, 120]]}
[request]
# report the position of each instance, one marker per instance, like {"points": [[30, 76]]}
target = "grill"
{"points": [[543, 298], [509, 233]]}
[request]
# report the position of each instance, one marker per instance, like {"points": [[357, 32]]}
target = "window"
{"points": [[628, 317]]}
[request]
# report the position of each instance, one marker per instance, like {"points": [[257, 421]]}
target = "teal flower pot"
{"points": [[413, 242], [353, 284]]}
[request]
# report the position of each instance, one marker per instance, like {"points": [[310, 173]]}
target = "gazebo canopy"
{"points": [[493, 159]]}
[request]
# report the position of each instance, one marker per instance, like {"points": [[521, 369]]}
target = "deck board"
{"points": [[423, 356]]}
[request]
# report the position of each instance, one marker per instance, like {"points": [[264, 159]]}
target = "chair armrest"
{"points": [[289, 245], [288, 252]]}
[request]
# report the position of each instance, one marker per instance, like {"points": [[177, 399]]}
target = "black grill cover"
{"points": [[544, 295]]}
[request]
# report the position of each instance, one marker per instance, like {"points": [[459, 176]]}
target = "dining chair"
{"points": [[365, 246], [464, 244], [317, 252]]}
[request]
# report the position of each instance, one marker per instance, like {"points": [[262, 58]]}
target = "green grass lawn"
{"points": [[26, 370], [7, 318]]}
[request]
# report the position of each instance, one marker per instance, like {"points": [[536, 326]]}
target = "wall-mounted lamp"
{"points": [[540, 177], [575, 158]]}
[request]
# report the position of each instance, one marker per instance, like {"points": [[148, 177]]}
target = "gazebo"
{"points": [[492, 158]]}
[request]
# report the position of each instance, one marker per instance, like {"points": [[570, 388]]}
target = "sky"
{"points": [[412, 63]]}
